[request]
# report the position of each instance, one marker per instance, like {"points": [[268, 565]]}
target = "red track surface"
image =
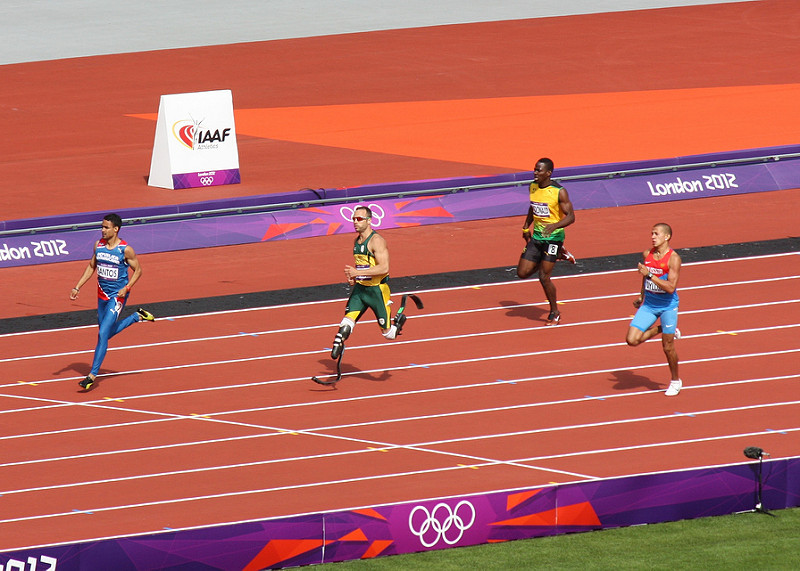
{"points": [[211, 419]]}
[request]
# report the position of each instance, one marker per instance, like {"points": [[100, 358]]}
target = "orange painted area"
{"points": [[376, 548], [412, 104], [581, 514], [516, 499], [280, 550], [580, 128]]}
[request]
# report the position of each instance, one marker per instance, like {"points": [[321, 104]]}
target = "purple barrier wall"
{"points": [[436, 524], [682, 185], [510, 198], [24, 249]]}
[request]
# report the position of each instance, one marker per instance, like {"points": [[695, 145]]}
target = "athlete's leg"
{"points": [[675, 384], [669, 327], [124, 323], [107, 315], [526, 268], [642, 326], [345, 329], [546, 253], [529, 260], [637, 337], [668, 344], [380, 302], [545, 271], [352, 313]]}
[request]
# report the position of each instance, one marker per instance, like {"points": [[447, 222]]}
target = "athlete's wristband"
{"points": [[526, 230], [649, 275]]}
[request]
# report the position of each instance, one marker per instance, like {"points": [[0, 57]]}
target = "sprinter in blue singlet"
{"points": [[111, 259]]}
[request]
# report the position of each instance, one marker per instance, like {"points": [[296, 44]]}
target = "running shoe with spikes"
{"points": [[87, 383], [553, 319], [145, 315], [568, 256]]}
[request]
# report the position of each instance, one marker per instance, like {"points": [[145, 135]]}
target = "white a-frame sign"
{"points": [[195, 143]]}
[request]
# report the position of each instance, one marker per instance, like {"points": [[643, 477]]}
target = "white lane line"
{"points": [[254, 492], [420, 316], [619, 422], [407, 367], [418, 446], [656, 445], [382, 421], [519, 462], [423, 340], [514, 282]]}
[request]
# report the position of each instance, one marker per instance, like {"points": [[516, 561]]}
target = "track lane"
{"points": [[475, 369]]}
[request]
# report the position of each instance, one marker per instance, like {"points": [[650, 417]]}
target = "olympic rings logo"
{"points": [[206, 180], [378, 213], [443, 523]]}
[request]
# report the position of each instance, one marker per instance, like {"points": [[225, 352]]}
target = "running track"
{"points": [[210, 419]]}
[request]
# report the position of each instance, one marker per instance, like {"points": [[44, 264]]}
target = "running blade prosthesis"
{"points": [[399, 320]]}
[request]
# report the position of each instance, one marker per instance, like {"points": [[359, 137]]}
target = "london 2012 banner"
{"points": [[195, 141]]}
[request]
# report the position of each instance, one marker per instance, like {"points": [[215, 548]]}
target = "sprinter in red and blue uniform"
{"points": [[112, 259], [658, 301]]}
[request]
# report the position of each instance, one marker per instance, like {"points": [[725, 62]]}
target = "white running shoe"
{"points": [[674, 388], [677, 333]]}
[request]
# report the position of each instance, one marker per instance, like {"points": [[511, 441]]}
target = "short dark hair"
{"points": [[114, 219], [666, 227], [367, 208], [548, 163]]}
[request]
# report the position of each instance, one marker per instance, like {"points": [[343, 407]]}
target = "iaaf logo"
{"points": [[192, 136]]}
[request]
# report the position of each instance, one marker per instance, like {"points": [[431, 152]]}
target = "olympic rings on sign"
{"points": [[440, 521], [377, 213], [206, 180]]}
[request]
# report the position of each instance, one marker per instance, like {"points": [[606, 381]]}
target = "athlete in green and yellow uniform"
{"points": [[550, 212], [546, 209], [369, 278]]}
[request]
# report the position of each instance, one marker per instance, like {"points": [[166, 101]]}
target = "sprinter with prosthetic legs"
{"points": [[369, 277]]}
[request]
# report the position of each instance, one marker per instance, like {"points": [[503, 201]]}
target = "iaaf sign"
{"points": [[195, 141], [195, 138]]}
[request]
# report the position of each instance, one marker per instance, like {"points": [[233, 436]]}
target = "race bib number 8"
{"points": [[552, 249], [107, 272]]}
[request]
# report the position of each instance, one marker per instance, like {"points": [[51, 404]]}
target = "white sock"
{"points": [[391, 333]]}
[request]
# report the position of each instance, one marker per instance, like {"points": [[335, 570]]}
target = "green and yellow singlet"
{"points": [[364, 260], [546, 210]]}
